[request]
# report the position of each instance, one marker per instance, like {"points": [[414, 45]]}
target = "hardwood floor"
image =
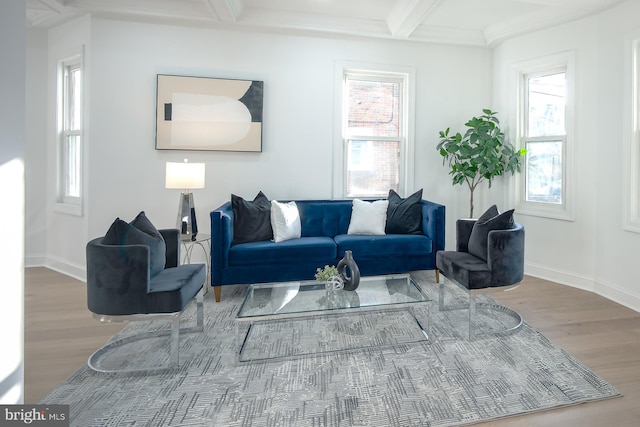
{"points": [[602, 334], [60, 334]]}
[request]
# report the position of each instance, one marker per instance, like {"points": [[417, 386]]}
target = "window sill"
{"points": [[632, 225], [559, 213], [68, 208]]}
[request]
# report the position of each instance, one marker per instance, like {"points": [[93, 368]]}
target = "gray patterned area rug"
{"points": [[398, 379]]}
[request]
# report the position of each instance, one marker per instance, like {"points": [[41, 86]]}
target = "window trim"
{"points": [[407, 144], [564, 61], [631, 135], [63, 203]]}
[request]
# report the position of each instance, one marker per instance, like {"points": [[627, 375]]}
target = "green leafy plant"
{"points": [[323, 274], [480, 154]]}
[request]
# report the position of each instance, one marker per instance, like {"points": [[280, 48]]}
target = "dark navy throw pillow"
{"points": [[252, 221], [480, 232], [121, 233], [404, 216]]}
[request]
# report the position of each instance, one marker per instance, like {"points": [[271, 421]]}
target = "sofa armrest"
{"points": [[117, 276], [221, 237], [171, 238], [505, 255], [433, 223], [463, 232]]}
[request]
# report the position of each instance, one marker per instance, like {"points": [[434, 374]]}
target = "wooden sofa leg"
{"points": [[437, 276], [217, 292]]}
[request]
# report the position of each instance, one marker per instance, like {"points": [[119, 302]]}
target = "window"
{"points": [[374, 132], [69, 179], [545, 137], [544, 111]]}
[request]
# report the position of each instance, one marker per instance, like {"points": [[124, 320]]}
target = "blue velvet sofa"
{"points": [[323, 241]]}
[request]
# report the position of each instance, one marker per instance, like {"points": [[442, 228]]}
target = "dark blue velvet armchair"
{"points": [[121, 288], [504, 267], [505, 258]]}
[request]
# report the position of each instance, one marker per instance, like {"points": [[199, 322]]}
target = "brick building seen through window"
{"points": [[374, 136]]}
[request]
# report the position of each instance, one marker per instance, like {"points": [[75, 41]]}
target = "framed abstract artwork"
{"points": [[210, 114]]}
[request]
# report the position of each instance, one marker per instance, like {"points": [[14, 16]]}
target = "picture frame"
{"points": [[208, 114]]}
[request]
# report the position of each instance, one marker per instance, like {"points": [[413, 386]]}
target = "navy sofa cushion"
{"points": [[381, 246], [324, 218], [289, 251]]}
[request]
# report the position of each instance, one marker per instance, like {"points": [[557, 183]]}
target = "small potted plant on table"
{"points": [[329, 274]]}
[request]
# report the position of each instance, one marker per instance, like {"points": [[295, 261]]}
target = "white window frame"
{"points": [[407, 125], [562, 62], [66, 203], [631, 135]]}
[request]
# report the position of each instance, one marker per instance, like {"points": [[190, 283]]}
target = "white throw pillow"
{"points": [[285, 221], [368, 217]]}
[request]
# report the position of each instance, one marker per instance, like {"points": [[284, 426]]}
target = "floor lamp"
{"points": [[185, 176]]}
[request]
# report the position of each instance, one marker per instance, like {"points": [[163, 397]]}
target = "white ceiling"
{"points": [[464, 22]]}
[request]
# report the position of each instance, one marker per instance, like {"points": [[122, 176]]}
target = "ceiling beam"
{"points": [[407, 15], [54, 5], [225, 10], [236, 7], [211, 5]]}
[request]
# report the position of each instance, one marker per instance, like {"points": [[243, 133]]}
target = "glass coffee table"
{"points": [[290, 319]]}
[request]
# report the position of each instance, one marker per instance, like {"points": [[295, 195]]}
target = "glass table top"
{"points": [[291, 298]]}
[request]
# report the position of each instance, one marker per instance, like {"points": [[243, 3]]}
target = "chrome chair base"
{"points": [[174, 332], [474, 306]]}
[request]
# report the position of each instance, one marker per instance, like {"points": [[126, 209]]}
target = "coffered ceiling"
{"points": [[463, 22]]}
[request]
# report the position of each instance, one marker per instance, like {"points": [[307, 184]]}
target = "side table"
{"points": [[204, 242]]}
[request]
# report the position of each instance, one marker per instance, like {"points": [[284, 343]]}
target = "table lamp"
{"points": [[185, 176]]}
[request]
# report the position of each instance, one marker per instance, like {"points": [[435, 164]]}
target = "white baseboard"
{"points": [[563, 277], [609, 291], [616, 294], [69, 268], [35, 260]]}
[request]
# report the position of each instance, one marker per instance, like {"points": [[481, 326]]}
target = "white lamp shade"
{"points": [[184, 175]]}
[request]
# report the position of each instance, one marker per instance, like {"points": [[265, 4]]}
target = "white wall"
{"points": [[66, 234], [126, 174], [617, 250], [12, 194], [36, 148], [592, 251]]}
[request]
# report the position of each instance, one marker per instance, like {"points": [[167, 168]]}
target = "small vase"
{"points": [[352, 280]]}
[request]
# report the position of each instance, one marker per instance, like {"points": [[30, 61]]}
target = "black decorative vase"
{"points": [[352, 280]]}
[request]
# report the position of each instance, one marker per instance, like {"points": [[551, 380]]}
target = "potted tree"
{"points": [[480, 154]]}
